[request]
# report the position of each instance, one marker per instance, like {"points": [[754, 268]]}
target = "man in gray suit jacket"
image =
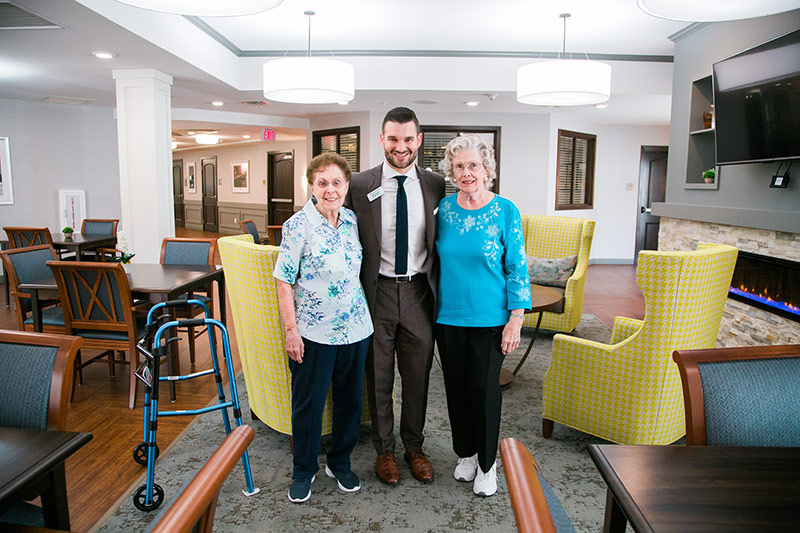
{"points": [[396, 205]]}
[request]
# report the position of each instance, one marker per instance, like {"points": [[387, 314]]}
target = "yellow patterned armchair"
{"points": [[629, 391], [259, 331], [554, 237]]}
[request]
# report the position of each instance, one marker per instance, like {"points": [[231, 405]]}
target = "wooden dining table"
{"points": [[700, 488], [82, 242], [152, 281], [32, 464]]}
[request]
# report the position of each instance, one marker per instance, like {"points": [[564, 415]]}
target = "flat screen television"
{"points": [[757, 103]]}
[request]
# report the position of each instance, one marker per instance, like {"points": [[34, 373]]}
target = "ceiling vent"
{"points": [[66, 100], [255, 102], [14, 17]]}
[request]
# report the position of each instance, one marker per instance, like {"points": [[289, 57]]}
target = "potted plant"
{"points": [[710, 175], [68, 231]]}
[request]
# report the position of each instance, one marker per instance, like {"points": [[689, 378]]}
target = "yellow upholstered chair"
{"points": [[554, 237], [253, 296], [629, 391]]}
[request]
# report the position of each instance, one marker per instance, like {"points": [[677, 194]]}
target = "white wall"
{"points": [[59, 146]]}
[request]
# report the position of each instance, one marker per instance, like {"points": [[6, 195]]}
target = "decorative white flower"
{"points": [[122, 242]]}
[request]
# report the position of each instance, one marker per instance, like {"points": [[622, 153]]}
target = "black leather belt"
{"points": [[402, 279]]}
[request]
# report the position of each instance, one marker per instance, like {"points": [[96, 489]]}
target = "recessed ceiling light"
{"points": [[103, 55], [601, 106], [206, 138], [217, 103], [472, 103], [343, 103], [174, 145], [245, 136]]}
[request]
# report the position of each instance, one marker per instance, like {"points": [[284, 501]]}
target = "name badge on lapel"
{"points": [[377, 193], [435, 210]]}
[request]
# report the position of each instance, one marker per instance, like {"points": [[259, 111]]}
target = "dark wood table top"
{"points": [[542, 298], [27, 454], [83, 239], [703, 488], [151, 278]]}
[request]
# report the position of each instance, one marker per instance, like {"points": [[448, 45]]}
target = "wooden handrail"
{"points": [[531, 511]]}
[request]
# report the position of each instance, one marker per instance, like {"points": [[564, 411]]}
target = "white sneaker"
{"points": [[466, 468], [486, 483]]}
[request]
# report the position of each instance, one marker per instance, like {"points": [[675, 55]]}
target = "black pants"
{"points": [[471, 362]]}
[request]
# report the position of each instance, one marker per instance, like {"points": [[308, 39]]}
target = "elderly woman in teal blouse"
{"points": [[484, 290], [327, 322]]}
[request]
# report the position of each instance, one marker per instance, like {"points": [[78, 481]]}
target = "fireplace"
{"points": [[769, 283]]}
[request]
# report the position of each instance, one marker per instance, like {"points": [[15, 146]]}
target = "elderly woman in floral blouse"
{"points": [[328, 326], [484, 290]]}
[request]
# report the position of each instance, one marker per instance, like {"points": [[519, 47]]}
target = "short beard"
{"points": [[395, 164]]}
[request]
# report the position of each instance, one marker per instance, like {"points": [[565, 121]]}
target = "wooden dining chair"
{"points": [[100, 226], [35, 379], [191, 251], [746, 396], [28, 265], [98, 307], [249, 227], [194, 508], [536, 507], [19, 237]]}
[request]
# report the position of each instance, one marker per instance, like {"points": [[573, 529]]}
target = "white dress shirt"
{"points": [[417, 252]]}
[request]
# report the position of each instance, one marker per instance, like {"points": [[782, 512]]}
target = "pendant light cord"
{"points": [[564, 16], [309, 14]]}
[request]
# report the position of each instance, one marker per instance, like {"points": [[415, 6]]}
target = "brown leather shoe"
{"points": [[386, 469], [421, 468]]}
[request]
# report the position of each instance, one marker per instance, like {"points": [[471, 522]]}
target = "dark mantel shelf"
{"points": [[788, 221]]}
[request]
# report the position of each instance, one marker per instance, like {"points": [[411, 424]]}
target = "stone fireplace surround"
{"points": [[742, 324]]}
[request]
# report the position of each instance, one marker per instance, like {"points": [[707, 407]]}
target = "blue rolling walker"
{"points": [[150, 495]]}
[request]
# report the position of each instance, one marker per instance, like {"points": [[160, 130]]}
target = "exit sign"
{"points": [[267, 135]]}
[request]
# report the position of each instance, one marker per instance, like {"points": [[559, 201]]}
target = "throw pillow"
{"points": [[552, 272]]}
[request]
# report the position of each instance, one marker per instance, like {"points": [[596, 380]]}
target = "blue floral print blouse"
{"points": [[322, 263], [483, 272]]}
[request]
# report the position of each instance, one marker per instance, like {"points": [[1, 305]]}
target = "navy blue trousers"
{"points": [[325, 365]]}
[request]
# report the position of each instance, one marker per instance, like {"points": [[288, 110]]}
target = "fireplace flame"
{"points": [[763, 298]]}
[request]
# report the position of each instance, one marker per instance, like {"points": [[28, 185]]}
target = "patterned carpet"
{"points": [[445, 505]]}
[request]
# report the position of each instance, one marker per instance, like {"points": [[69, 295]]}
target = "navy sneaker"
{"points": [[348, 481], [300, 490]]}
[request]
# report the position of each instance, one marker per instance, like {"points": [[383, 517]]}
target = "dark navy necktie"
{"points": [[401, 230]]}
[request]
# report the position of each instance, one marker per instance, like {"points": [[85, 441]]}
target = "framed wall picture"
{"points": [[6, 188], [72, 208], [190, 179], [241, 176]]}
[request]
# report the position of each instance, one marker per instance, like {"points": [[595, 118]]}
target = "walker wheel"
{"points": [[140, 453], [140, 496]]}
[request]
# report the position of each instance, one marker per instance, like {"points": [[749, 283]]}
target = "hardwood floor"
{"points": [[101, 473]]}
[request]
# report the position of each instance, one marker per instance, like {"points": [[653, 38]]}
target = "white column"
{"points": [[145, 160]]}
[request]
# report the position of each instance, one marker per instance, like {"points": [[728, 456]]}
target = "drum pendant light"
{"points": [[309, 80], [564, 82]]}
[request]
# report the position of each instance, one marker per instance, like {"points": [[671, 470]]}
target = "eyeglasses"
{"points": [[472, 166]]}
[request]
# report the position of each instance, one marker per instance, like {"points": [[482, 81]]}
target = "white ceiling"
{"points": [[444, 51]]}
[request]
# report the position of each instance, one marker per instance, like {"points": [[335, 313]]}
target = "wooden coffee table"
{"points": [[542, 299]]}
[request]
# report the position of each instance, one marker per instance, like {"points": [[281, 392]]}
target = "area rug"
{"points": [[444, 505]]}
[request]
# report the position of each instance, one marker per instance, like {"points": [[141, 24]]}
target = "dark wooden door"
{"points": [[177, 192], [208, 172], [280, 188], [652, 186]]}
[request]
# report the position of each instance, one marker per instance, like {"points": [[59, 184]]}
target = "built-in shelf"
{"points": [[701, 152]]}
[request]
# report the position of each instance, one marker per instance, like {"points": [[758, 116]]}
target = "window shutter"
{"points": [[575, 173]]}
